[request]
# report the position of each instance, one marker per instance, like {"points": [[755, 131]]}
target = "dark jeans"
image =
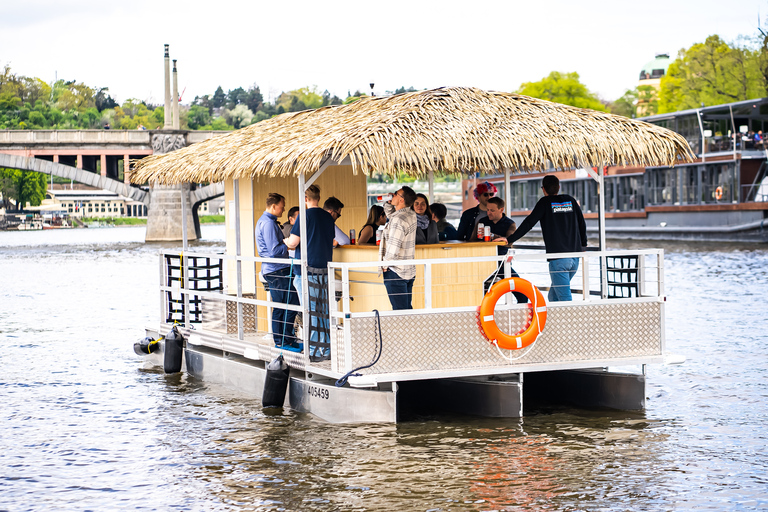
{"points": [[281, 290], [399, 290]]}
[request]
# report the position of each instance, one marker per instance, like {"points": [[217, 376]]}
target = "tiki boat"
{"points": [[592, 351]]}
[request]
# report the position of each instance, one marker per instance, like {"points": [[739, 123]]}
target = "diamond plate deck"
{"points": [[453, 341]]}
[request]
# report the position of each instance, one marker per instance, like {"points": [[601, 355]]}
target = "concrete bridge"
{"points": [[100, 158]]}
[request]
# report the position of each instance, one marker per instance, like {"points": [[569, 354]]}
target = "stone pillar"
{"points": [[126, 169], [164, 220], [176, 122], [79, 161], [104, 165], [168, 121]]}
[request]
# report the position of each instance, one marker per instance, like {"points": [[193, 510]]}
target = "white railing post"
{"points": [[428, 285], [660, 266], [238, 262], [347, 327], [585, 276], [163, 282]]}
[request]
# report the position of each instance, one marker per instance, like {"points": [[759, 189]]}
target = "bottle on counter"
{"points": [[480, 231], [379, 232], [487, 234], [352, 237]]}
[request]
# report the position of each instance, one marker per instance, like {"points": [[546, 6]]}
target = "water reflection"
{"points": [[86, 427]]}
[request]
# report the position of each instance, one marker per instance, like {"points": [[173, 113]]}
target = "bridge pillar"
{"points": [[164, 219]]}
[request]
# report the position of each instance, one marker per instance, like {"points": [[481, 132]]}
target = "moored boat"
{"points": [[722, 195]]}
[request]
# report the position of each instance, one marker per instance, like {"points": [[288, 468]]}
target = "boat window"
{"points": [[662, 186], [718, 183]]}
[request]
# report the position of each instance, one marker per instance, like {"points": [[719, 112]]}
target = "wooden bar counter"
{"points": [[453, 285]]}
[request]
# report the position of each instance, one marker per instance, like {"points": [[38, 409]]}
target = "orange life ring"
{"points": [[719, 193], [538, 319]]}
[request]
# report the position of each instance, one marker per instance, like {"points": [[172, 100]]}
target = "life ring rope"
{"points": [[531, 332]]}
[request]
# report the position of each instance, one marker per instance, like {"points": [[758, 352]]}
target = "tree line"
{"points": [[709, 73]]}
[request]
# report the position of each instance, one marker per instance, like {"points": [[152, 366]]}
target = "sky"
{"points": [[343, 46]]}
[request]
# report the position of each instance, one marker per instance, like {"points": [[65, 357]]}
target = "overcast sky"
{"points": [[342, 46]]}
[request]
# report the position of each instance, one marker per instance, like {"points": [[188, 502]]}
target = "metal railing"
{"points": [[442, 286]]}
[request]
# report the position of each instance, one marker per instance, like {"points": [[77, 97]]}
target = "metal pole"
{"points": [[601, 227], [239, 263], [703, 140], [507, 191], [304, 282], [184, 257], [431, 182], [733, 131]]}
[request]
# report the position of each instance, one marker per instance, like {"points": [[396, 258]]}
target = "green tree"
{"points": [[23, 187], [638, 102], [255, 100], [565, 88], [103, 100], [239, 116], [220, 124], [219, 98], [198, 117], [711, 73]]}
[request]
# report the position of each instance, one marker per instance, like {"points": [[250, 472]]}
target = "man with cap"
{"points": [[472, 216]]}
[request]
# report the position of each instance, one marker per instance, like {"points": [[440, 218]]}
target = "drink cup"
{"points": [[480, 231], [487, 233], [378, 237]]}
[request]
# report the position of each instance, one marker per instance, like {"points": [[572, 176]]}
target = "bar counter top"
{"points": [[445, 244]]}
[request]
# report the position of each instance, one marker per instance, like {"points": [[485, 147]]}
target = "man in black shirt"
{"points": [[563, 229]]}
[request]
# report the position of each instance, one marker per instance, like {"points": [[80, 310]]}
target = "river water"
{"points": [[86, 427]]}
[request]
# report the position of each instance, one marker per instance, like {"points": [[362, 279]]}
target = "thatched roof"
{"points": [[446, 130]]}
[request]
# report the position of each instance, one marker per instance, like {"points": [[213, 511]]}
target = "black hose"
{"points": [[342, 381]]}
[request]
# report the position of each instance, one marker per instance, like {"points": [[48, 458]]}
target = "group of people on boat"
{"points": [[404, 220]]}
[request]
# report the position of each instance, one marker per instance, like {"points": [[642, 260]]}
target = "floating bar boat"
{"points": [[386, 363]]}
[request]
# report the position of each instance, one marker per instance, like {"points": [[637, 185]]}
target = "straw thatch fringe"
{"points": [[446, 130]]}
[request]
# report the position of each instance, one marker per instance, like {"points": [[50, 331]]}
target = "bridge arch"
{"points": [[26, 163]]}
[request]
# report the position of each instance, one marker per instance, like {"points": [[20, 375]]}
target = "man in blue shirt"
{"points": [[269, 244], [321, 229]]}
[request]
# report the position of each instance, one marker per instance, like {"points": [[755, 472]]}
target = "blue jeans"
{"points": [[280, 290], [561, 271], [400, 290]]}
